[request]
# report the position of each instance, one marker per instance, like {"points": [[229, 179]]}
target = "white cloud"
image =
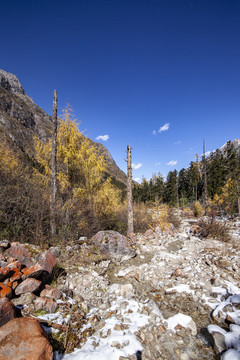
{"points": [[154, 132], [164, 127], [102, 137], [157, 163], [172, 163], [137, 179], [177, 142], [136, 166]]}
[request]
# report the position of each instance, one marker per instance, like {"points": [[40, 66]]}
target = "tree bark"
{"points": [[205, 196], [54, 166], [129, 191]]}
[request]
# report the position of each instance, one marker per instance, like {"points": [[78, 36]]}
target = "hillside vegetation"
{"points": [[186, 187]]}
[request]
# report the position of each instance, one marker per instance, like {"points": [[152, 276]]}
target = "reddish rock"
{"points": [[33, 272], [12, 285], [17, 274], [20, 252], [7, 311], [4, 272], [24, 338], [14, 264], [28, 285], [51, 293], [5, 291], [43, 303], [47, 260]]}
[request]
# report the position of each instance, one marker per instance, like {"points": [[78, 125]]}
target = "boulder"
{"points": [[4, 272], [28, 285], [43, 303], [7, 311], [14, 264], [33, 272], [5, 291], [24, 338], [51, 293], [47, 261], [114, 244], [20, 252]]}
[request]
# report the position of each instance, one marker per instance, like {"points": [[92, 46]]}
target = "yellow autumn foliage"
{"points": [[80, 171]]}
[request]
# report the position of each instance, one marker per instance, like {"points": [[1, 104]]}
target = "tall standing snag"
{"points": [[129, 191], [205, 194], [54, 166]]}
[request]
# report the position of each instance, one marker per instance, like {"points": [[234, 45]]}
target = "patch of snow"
{"points": [[102, 348], [181, 288], [231, 354], [183, 320]]}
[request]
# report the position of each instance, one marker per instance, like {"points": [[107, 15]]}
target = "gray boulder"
{"points": [[114, 244]]}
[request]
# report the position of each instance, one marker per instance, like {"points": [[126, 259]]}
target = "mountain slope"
{"points": [[21, 119]]}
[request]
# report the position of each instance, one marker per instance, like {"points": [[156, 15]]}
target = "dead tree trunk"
{"points": [[129, 191], [205, 194], [177, 192], [54, 166]]}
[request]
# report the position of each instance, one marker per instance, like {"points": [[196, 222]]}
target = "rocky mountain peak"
{"points": [[11, 83]]}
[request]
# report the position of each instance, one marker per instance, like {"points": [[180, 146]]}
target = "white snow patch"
{"points": [[183, 320], [105, 350]]}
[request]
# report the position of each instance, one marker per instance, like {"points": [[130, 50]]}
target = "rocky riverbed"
{"points": [[159, 295]]}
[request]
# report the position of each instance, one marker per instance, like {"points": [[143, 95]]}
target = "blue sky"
{"points": [[159, 75]]}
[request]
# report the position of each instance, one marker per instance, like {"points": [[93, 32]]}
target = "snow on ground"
{"points": [[232, 337], [113, 341]]}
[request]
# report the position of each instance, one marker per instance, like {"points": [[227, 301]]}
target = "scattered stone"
{"points": [[34, 271], [5, 291], [47, 260], [24, 338], [7, 311], [46, 304], [20, 252], [28, 285], [51, 293]]}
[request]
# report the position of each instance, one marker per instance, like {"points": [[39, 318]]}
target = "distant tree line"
{"points": [[187, 186]]}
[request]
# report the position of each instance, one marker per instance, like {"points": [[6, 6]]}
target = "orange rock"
{"points": [[4, 272], [5, 291], [16, 276], [33, 272], [14, 264], [24, 338], [7, 311], [14, 285]]}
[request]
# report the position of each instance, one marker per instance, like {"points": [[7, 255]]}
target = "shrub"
{"points": [[173, 218], [163, 216], [211, 228], [198, 210]]}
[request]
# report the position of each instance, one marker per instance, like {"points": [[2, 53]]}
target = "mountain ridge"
{"points": [[21, 119]]}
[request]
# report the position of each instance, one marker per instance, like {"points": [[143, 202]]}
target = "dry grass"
{"points": [[211, 228]]}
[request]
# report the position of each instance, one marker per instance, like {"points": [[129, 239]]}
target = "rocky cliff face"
{"points": [[21, 119]]}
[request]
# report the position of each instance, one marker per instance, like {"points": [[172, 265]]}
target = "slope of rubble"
{"points": [[178, 298]]}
